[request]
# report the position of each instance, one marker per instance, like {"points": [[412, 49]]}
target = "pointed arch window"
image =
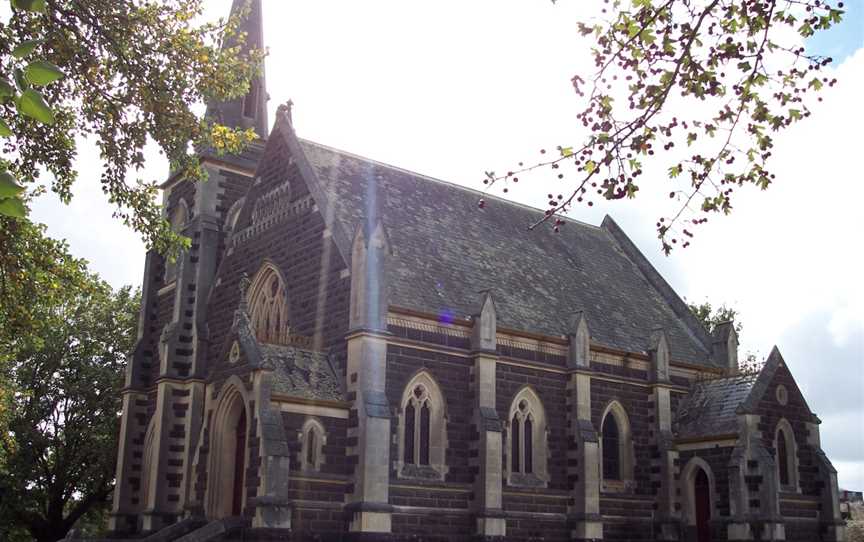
{"points": [[268, 306], [522, 445], [611, 449], [616, 448], [417, 417], [527, 463], [312, 440], [250, 101], [783, 460], [786, 456], [233, 215], [422, 440]]}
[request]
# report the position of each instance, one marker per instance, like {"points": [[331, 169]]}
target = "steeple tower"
{"points": [[164, 394], [249, 111]]}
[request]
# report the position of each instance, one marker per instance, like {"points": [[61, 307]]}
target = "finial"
{"points": [[244, 287], [285, 109]]}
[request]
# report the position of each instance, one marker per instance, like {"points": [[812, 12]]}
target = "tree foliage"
{"points": [[61, 370], [711, 316], [35, 271], [707, 82], [118, 73]]}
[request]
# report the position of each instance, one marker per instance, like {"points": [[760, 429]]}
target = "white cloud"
{"points": [[452, 89]]}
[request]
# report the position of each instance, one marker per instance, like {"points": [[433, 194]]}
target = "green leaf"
{"points": [[20, 80], [815, 83], [567, 151], [41, 73], [13, 207], [674, 171], [8, 187], [6, 88], [590, 166], [5, 131], [25, 48], [30, 5], [33, 105], [647, 36]]}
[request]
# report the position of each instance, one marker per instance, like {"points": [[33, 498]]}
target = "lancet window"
{"points": [[616, 445]]}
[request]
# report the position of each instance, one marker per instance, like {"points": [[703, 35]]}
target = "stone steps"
{"points": [[214, 530]]}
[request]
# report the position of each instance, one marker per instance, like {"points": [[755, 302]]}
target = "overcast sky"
{"points": [[453, 88]]}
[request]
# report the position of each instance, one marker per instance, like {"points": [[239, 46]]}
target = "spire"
{"points": [[249, 111]]}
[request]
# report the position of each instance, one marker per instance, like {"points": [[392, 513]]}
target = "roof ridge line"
{"points": [[660, 284], [442, 181]]}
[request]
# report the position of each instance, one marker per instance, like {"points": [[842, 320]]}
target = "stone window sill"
{"points": [[617, 486], [790, 490], [525, 480], [420, 472]]}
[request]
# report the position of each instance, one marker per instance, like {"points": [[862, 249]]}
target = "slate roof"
{"points": [[446, 251], [301, 373], [710, 409], [297, 372]]}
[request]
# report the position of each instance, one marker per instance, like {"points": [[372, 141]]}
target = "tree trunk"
{"points": [[48, 532]]}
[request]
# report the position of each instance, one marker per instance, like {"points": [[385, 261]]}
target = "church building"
{"points": [[353, 351]]}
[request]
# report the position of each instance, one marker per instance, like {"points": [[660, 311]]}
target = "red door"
{"points": [[239, 463], [702, 496]]}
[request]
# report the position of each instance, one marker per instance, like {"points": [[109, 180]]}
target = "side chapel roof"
{"points": [[297, 372], [446, 251], [300, 373], [712, 406]]}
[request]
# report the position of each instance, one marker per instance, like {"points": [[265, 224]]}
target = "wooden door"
{"points": [[239, 465]]}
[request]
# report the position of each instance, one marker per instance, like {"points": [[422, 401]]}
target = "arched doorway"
{"points": [[702, 505], [239, 465], [226, 465]]}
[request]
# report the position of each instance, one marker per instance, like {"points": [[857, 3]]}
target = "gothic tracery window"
{"points": [[417, 413], [522, 445], [527, 435], [423, 432], [268, 307]]}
